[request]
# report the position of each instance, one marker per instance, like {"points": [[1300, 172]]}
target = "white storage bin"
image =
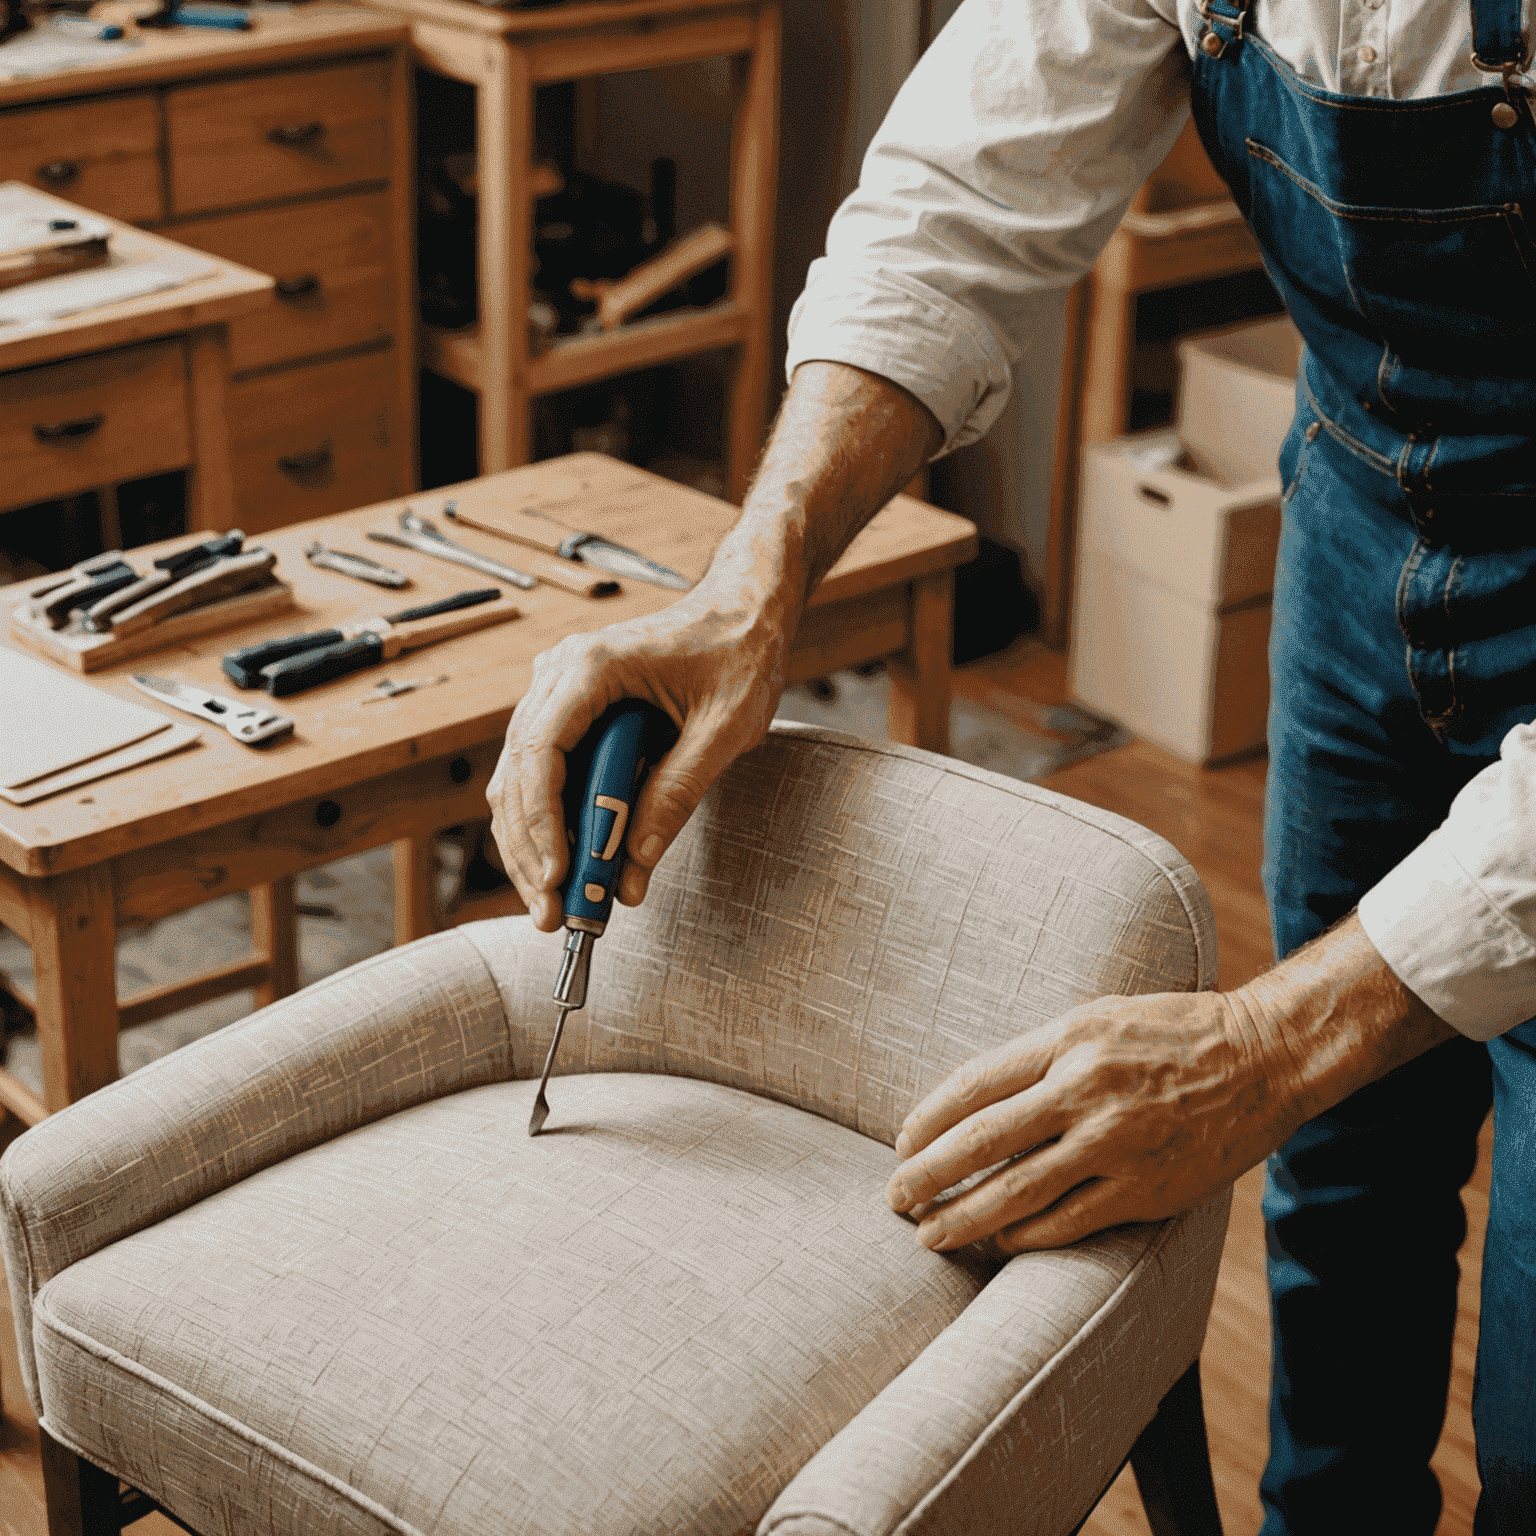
{"points": [[1171, 616]]}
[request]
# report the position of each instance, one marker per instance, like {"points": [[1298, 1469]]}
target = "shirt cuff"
{"points": [[1450, 944], [889, 323]]}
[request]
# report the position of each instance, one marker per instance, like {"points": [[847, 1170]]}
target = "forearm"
{"points": [[845, 442], [1330, 1019]]}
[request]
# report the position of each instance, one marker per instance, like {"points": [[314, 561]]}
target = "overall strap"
{"points": [[1497, 41], [1224, 27]]}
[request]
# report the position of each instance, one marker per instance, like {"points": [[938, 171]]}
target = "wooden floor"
{"points": [[1213, 818]]}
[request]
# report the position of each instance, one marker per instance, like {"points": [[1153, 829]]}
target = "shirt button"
{"points": [[1367, 54]]}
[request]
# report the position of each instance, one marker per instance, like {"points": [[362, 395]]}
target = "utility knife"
{"points": [[255, 727]]}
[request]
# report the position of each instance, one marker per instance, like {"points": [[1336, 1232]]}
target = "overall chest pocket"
{"points": [[1432, 281]]}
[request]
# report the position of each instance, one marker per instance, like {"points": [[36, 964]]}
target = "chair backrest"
{"points": [[844, 922]]}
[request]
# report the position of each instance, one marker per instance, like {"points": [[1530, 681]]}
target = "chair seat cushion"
{"points": [[644, 1320]]}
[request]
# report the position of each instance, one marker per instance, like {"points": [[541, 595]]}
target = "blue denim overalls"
{"points": [[1403, 648]]}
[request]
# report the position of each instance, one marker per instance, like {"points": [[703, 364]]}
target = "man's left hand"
{"points": [[1136, 1108]]}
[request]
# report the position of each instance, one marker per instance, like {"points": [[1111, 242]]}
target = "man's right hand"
{"points": [[845, 442], [715, 664]]}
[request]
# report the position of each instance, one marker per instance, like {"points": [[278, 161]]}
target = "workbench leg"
{"points": [[275, 938], [1106, 404], [754, 151], [415, 888], [918, 713], [504, 138], [74, 956], [211, 492]]}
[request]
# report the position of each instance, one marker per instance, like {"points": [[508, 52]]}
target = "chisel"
{"points": [[604, 775]]}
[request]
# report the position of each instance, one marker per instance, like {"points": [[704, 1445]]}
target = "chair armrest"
{"points": [[957, 1442], [410, 1025]]}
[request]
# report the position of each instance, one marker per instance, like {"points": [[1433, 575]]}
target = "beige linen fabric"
{"points": [[311, 1274]]}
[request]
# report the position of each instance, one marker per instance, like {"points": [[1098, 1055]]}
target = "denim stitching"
{"points": [[1345, 440], [1374, 214], [1381, 367], [1301, 469]]}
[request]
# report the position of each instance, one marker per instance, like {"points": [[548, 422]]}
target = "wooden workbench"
{"points": [[223, 817]]}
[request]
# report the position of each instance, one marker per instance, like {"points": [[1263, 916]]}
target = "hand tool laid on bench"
{"points": [[103, 614], [360, 566], [54, 599], [420, 534], [255, 727], [292, 663], [537, 531], [604, 775]]}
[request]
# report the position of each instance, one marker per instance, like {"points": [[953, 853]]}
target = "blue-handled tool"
{"points": [[604, 775]]}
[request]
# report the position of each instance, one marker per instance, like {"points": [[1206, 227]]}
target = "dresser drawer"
{"points": [[67, 427], [309, 441], [103, 155], [332, 265], [269, 136]]}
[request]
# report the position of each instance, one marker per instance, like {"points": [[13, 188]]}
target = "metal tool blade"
{"points": [[388, 688], [443, 549], [244, 722], [416, 526], [629, 564], [357, 566], [541, 1104]]}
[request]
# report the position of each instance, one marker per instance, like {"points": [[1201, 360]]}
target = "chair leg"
{"points": [[1172, 1463], [82, 1500]]}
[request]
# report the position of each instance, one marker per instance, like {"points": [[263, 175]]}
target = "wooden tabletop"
{"points": [[215, 291], [339, 741], [595, 15], [178, 53]]}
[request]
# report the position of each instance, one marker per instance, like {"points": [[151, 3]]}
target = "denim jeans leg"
{"points": [[1362, 1206]]}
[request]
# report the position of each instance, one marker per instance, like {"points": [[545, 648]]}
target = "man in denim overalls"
{"points": [[1403, 659]]}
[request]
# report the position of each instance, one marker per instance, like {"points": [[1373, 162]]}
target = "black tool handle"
{"points": [[103, 584], [300, 672], [244, 667], [184, 561], [470, 599]]}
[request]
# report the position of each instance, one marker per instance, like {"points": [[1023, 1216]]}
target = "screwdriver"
{"points": [[604, 775]]}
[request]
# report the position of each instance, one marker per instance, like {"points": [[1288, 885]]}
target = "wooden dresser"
{"points": [[286, 149]]}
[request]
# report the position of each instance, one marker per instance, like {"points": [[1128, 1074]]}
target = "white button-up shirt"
{"points": [[1007, 160]]}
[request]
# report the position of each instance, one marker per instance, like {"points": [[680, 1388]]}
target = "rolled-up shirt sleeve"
{"points": [[1003, 167], [1456, 920]]}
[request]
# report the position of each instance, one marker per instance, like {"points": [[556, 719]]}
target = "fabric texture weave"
{"points": [[310, 1274]]}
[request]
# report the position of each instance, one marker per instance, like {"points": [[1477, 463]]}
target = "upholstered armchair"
{"points": [[311, 1274]]}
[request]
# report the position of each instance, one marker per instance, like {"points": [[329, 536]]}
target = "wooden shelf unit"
{"points": [[505, 56]]}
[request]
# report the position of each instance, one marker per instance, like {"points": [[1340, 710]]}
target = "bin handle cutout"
{"points": [[1152, 494]]}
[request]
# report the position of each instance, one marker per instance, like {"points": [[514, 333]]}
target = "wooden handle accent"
{"points": [[221, 580], [519, 527], [444, 626], [618, 299]]}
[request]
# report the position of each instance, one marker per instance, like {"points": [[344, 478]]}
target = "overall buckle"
{"points": [[1505, 113], [1212, 44]]}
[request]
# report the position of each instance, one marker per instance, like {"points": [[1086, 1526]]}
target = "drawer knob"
{"points": [[68, 431], [298, 287], [302, 133], [59, 173], [306, 463]]}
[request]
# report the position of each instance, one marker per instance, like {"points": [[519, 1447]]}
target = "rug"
{"points": [[346, 909]]}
